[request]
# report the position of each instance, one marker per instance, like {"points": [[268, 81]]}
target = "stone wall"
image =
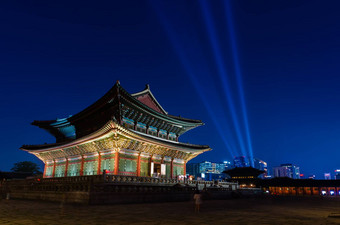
{"points": [[111, 189]]}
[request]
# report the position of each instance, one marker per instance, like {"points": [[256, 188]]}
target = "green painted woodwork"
{"points": [[128, 156], [157, 160], [144, 169], [167, 170], [177, 170], [90, 168], [108, 156], [127, 165], [108, 164], [59, 171], [73, 169], [61, 163], [91, 158], [49, 171]]}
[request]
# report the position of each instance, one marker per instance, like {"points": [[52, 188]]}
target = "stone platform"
{"points": [[112, 189]]}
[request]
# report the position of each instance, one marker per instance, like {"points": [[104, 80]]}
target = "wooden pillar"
{"points": [[138, 165], [66, 167], [99, 164], [82, 166], [184, 168], [116, 163], [45, 167], [172, 168], [54, 165]]}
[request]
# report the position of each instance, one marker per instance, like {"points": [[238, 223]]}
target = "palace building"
{"points": [[120, 134]]}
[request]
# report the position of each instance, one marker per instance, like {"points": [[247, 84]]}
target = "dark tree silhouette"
{"points": [[26, 167]]}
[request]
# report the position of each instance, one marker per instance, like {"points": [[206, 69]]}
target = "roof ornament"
{"points": [[147, 87]]}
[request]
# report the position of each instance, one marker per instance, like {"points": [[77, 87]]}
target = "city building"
{"points": [[241, 161], [261, 165], [207, 170], [120, 134], [327, 176], [337, 174], [287, 170], [311, 177]]}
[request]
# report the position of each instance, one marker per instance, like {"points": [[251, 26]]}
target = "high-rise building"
{"points": [[208, 170], [287, 170], [241, 161], [261, 165], [337, 174], [327, 176]]}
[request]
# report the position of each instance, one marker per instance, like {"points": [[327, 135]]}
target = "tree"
{"points": [[26, 167]]}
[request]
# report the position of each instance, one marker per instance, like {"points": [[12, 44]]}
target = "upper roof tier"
{"points": [[119, 105]]}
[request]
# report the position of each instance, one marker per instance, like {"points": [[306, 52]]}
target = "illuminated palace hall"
{"points": [[121, 134]]}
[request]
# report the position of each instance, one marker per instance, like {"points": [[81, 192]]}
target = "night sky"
{"points": [[58, 57]]}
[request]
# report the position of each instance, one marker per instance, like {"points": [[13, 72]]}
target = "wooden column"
{"points": [[54, 165], [99, 164], [116, 163], [82, 166], [184, 168], [138, 165], [45, 167], [172, 168], [66, 167]]}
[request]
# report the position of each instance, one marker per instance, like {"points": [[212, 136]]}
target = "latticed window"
{"points": [[127, 165], [108, 164], [49, 171], [60, 171], [73, 169], [90, 168]]}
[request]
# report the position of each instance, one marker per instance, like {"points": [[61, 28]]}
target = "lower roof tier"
{"points": [[115, 137]]}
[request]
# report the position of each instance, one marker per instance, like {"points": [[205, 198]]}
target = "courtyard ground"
{"points": [[234, 211]]}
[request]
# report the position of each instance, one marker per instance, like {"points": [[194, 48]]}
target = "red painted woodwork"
{"points": [[116, 163], [138, 165], [82, 166], [66, 168], [148, 101], [99, 164], [172, 168], [54, 165], [44, 175], [184, 168]]}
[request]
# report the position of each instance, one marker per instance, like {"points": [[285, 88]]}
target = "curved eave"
{"points": [[107, 131], [189, 123], [172, 119]]}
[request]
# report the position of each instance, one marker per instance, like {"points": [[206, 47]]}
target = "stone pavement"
{"points": [[233, 211]]}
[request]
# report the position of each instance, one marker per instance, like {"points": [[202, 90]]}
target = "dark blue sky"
{"points": [[56, 58]]}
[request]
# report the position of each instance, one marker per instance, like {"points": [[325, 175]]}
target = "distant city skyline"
{"points": [[262, 76]]}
